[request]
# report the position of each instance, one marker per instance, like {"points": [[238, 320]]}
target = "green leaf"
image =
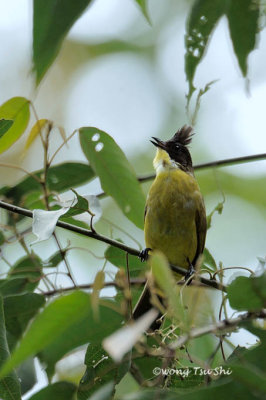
{"points": [[5, 125], [9, 385], [87, 329], [243, 18], [254, 355], [56, 391], [146, 364], [52, 19], [54, 321], [251, 377], [100, 370], [14, 286], [16, 110], [248, 293], [201, 22], [209, 261], [60, 178], [55, 259], [80, 207], [29, 268], [19, 310], [248, 365], [116, 174], [218, 209], [143, 4]]}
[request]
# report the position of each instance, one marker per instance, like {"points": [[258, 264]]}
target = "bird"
{"points": [[175, 215]]}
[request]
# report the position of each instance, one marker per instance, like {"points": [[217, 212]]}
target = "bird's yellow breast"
{"points": [[170, 214]]}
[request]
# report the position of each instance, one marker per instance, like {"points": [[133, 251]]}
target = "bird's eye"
{"points": [[177, 146]]}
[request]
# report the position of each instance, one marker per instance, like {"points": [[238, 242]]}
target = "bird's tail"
{"points": [[143, 305]]}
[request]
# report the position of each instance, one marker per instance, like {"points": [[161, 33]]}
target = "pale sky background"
{"points": [[131, 97]]}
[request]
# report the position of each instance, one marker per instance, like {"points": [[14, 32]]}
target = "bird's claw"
{"points": [[189, 274], [144, 254]]}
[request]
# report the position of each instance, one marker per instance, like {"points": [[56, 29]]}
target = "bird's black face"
{"points": [[177, 152]]}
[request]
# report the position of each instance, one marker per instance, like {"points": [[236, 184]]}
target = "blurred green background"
{"points": [[124, 76]]}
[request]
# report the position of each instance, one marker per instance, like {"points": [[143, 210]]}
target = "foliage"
{"points": [[39, 318]]}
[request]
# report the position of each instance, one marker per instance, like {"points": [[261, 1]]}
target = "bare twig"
{"points": [[133, 281], [7, 165], [101, 238], [211, 164], [217, 328]]}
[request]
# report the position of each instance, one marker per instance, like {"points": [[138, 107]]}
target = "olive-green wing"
{"points": [[201, 228]]}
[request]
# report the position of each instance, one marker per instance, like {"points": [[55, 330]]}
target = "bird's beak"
{"points": [[158, 143]]}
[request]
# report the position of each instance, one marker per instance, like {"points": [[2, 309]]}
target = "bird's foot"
{"points": [[144, 254], [189, 275]]}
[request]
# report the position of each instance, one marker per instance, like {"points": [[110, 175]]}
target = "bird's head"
{"points": [[174, 153]]}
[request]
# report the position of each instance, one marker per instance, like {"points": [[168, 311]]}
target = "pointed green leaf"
{"points": [[9, 385], [56, 391], [144, 8], [16, 110], [116, 174], [243, 18], [201, 22], [55, 319], [52, 19]]}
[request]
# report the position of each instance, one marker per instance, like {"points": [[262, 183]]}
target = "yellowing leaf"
{"points": [[97, 286], [16, 110], [35, 131]]}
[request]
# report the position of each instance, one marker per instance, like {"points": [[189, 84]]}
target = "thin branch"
{"points": [[61, 146], [101, 238], [219, 326], [6, 165], [133, 281], [211, 164]]}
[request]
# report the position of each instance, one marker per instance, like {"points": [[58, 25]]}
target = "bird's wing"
{"points": [[201, 228], [145, 212]]}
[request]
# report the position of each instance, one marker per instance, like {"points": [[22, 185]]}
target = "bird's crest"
{"points": [[183, 136]]}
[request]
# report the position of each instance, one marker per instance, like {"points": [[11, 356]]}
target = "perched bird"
{"points": [[175, 216]]}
